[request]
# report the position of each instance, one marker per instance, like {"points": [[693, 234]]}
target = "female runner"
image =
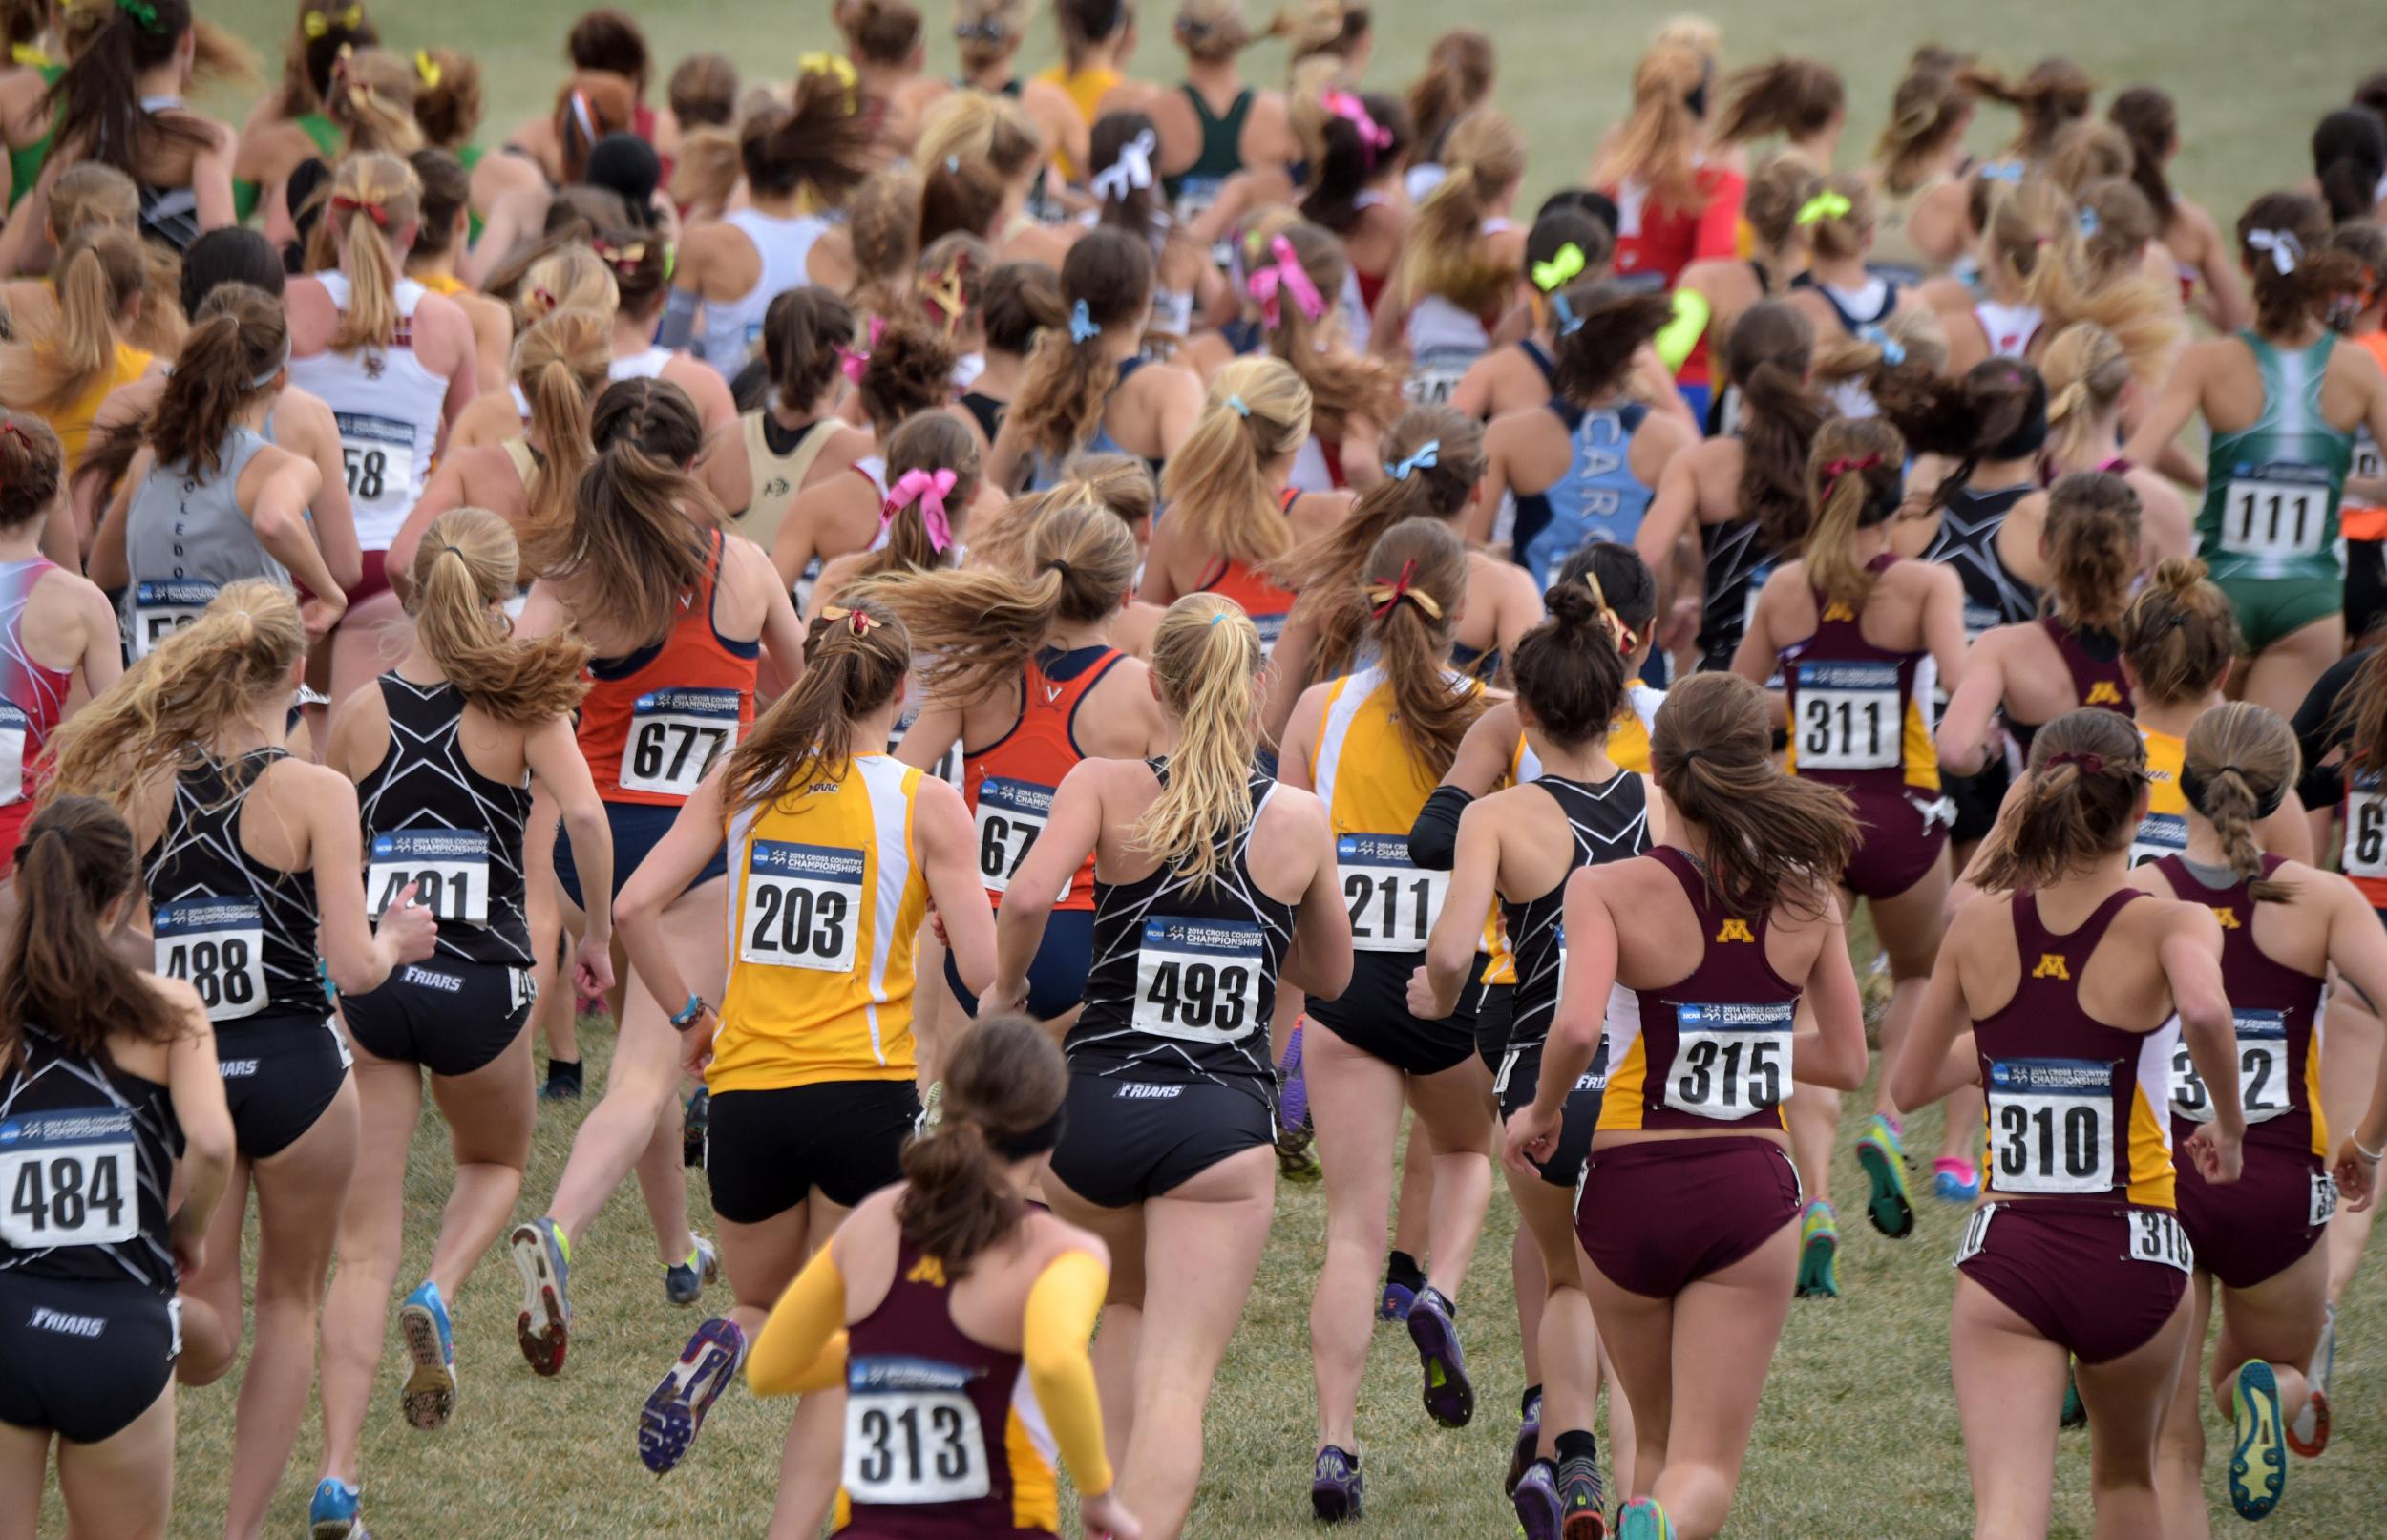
{"points": [[109, 1084], [1458, 261], [1017, 301], [2077, 996], [1916, 175], [953, 1278], [1676, 208], [1840, 291], [1088, 386], [1460, 72], [810, 1057], [243, 908], [1096, 38], [1360, 144], [2285, 928], [1186, 283], [1564, 244], [794, 440], [1215, 124], [1717, 938], [2282, 401], [440, 243], [1584, 467], [292, 125], [1520, 847], [933, 477], [2089, 392], [443, 754], [1020, 671], [1210, 883], [1861, 640], [1353, 397], [1783, 204], [2149, 119], [1802, 100], [678, 613], [64, 370], [1372, 743]]}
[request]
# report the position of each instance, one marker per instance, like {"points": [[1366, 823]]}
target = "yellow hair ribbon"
{"points": [[836, 66], [427, 67], [318, 24], [1824, 206], [1563, 267]]}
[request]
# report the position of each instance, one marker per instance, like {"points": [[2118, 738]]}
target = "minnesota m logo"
{"points": [[1838, 611], [929, 1270], [1735, 930], [2227, 916], [2051, 966], [2103, 693]]}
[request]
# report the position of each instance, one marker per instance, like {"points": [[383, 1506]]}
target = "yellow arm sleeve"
{"points": [[1061, 1311], [1675, 340], [802, 1347]]}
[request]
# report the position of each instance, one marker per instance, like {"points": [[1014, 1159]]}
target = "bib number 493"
{"points": [[1198, 979]]}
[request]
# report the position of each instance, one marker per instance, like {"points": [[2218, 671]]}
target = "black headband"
{"points": [[2192, 788], [1028, 1141]]}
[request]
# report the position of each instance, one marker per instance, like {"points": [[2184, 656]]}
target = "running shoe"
{"points": [[1528, 1446], [1292, 1098], [1643, 1519], [1397, 1299], [1583, 1500], [543, 1257], [699, 1118], [1955, 1181], [1819, 1253], [2308, 1434], [1296, 1161], [332, 1515], [682, 1283], [430, 1394], [1449, 1396], [563, 1080], [675, 1409], [1882, 1152], [2075, 1414], [2258, 1463], [1337, 1488], [1541, 1513]]}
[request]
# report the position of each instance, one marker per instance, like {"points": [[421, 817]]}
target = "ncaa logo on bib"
{"points": [[1735, 930], [2051, 965]]}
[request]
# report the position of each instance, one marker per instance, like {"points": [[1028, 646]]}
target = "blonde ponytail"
{"points": [[1217, 481], [1207, 657], [463, 571]]}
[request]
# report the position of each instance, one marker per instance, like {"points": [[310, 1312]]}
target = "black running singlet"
{"points": [[1967, 540], [87, 1157], [242, 933], [1610, 823], [433, 820], [1738, 562]]}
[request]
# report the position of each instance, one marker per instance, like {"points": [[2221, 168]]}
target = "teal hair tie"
{"points": [[1569, 322], [1237, 404], [1081, 324]]}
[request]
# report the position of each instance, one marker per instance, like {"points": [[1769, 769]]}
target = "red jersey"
{"points": [[1656, 241], [32, 700], [1010, 782], [654, 721], [1266, 603]]}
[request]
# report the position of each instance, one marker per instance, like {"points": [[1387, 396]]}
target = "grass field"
{"points": [[1858, 1436]]}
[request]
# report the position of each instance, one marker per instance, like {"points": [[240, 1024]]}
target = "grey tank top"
{"points": [[186, 538]]}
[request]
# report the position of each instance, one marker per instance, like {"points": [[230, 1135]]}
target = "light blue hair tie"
{"points": [[2087, 223], [1569, 322], [1215, 616], [1082, 326], [2008, 171], [1892, 351], [1428, 456], [1235, 405]]}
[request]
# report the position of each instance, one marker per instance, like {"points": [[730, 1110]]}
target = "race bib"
{"points": [[14, 725], [1198, 981], [1393, 900], [675, 737], [911, 1434], [1010, 815], [1730, 1061], [2367, 464], [1976, 1233], [163, 606], [1432, 387], [2279, 510], [2365, 853], [218, 946], [1847, 716], [2158, 834], [377, 456], [2156, 1237], [2051, 1125], [2262, 1083], [803, 905], [448, 868], [2324, 1199], [68, 1178]]}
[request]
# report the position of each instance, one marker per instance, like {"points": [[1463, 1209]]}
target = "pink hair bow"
{"points": [[856, 361], [1285, 275], [929, 488], [1354, 111]]}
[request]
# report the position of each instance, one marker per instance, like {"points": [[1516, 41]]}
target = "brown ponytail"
{"points": [[448, 105], [1003, 1087], [2092, 537], [1405, 605], [1600, 325], [2241, 760], [1458, 76], [30, 464], [1342, 384], [910, 373], [75, 858], [933, 442], [2150, 122], [821, 145], [1062, 396], [2057, 92], [1795, 98], [2079, 802], [855, 658], [1769, 354], [1772, 839], [803, 330], [1571, 669], [2180, 637], [1931, 104], [2294, 229], [464, 570], [234, 356], [561, 363], [1855, 476]]}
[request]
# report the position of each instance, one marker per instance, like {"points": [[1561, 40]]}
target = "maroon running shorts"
{"points": [[1659, 1214]]}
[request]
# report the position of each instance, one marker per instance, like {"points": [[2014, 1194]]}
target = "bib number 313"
{"points": [[911, 1434]]}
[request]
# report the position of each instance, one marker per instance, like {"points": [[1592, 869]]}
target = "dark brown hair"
{"points": [[450, 110], [910, 371], [2064, 816], [233, 356], [1797, 97], [2055, 93], [932, 440], [1603, 325], [609, 40], [1003, 1087], [2317, 274], [1769, 355], [879, 31], [1772, 839], [1405, 605], [2349, 157], [30, 469], [2150, 120], [1571, 669], [854, 656], [2180, 635], [1018, 299], [447, 192], [803, 330], [1458, 76], [307, 61], [59, 972], [823, 143], [2092, 538], [1931, 103], [959, 195], [704, 91], [97, 101], [1342, 384], [1998, 411], [1347, 163], [1062, 396]]}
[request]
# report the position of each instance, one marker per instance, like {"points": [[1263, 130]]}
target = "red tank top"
{"points": [[2076, 1107], [1010, 782], [1711, 1052], [653, 722], [1266, 603], [933, 1419], [32, 698], [2275, 1006], [2096, 681], [1659, 240], [1851, 705]]}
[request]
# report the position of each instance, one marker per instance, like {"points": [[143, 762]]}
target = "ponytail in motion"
{"points": [[2081, 802], [2180, 635], [1106, 283], [855, 661], [57, 971], [2241, 761], [1003, 1084], [1206, 658], [375, 200], [2092, 537], [1855, 479], [561, 362], [1218, 482], [1401, 609], [99, 275], [464, 570], [1772, 839]]}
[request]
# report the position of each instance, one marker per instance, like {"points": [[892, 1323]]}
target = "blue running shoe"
{"points": [[1449, 1395], [1397, 1299], [675, 1413], [1337, 1491], [1882, 1153], [332, 1514], [1643, 1519], [2258, 1462], [1541, 1514], [1528, 1446], [428, 1398], [543, 1257], [1955, 1181], [682, 1283]]}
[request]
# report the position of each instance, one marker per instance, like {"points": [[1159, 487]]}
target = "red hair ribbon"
{"points": [[1840, 468], [342, 203], [1388, 594], [2085, 763], [855, 619]]}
